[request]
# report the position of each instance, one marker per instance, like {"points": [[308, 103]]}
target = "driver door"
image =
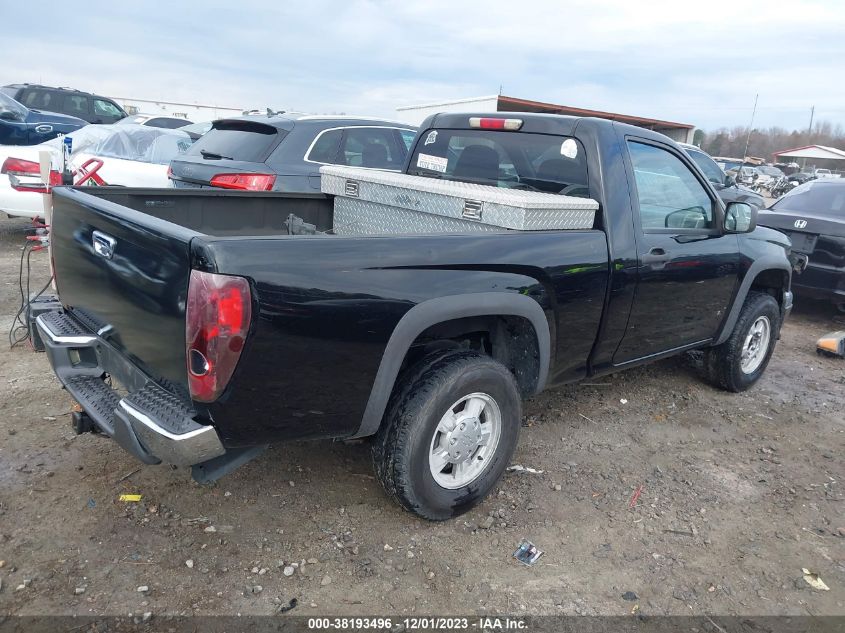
{"points": [[687, 267]]}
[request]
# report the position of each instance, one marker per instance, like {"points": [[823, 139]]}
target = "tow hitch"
{"points": [[81, 423]]}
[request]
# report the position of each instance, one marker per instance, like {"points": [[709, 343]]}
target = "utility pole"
{"points": [[812, 112], [750, 127]]}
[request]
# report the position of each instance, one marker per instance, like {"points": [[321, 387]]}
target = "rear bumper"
{"points": [[821, 282], [149, 421]]}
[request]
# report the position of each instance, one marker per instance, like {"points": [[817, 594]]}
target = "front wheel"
{"points": [[738, 363], [450, 431]]}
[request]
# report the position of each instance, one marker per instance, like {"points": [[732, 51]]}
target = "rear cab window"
{"points": [[513, 160], [247, 141]]}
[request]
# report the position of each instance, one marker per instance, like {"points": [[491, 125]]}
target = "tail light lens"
{"points": [[249, 182], [25, 175], [218, 314]]}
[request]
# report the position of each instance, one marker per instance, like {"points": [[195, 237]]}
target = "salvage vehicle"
{"points": [[199, 326], [725, 185], [813, 216], [128, 155], [284, 152], [76, 103], [21, 126], [25, 198]]}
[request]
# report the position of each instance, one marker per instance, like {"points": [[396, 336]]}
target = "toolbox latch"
{"points": [[472, 210]]}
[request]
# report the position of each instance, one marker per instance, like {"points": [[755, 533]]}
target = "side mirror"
{"points": [[740, 218], [730, 181], [8, 115]]}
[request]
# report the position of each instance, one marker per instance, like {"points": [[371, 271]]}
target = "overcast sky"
{"points": [[658, 59]]}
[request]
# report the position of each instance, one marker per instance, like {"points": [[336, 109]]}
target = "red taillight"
{"points": [[169, 172], [490, 123], [250, 182], [26, 176], [218, 314], [19, 166]]}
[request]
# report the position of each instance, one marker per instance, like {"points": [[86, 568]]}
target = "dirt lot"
{"points": [[739, 493]]}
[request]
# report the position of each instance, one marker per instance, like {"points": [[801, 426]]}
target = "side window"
{"points": [[408, 137], [42, 100], [107, 109], [75, 105], [325, 147], [669, 194], [370, 147]]}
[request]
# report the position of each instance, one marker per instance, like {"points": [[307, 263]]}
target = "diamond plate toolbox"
{"points": [[369, 201]]}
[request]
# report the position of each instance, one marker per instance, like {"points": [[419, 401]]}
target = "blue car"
{"points": [[21, 126]]}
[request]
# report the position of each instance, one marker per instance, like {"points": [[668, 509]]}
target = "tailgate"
{"points": [[124, 275]]}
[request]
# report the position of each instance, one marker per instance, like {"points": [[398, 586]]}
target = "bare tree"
{"points": [[731, 142]]}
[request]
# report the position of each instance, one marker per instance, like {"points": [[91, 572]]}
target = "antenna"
{"points": [[750, 127]]}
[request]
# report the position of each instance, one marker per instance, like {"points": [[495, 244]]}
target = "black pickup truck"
{"points": [[200, 326]]}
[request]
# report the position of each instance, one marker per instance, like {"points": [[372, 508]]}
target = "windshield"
{"points": [[770, 171], [514, 160], [819, 198], [708, 166], [12, 110]]}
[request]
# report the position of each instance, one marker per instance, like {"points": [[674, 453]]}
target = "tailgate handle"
{"points": [[103, 244]]}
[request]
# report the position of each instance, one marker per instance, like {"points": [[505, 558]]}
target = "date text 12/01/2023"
{"points": [[418, 624]]}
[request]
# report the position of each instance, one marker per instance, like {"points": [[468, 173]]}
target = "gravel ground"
{"points": [[738, 493]]}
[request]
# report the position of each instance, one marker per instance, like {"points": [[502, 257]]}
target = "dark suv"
{"points": [[285, 152], [82, 105]]}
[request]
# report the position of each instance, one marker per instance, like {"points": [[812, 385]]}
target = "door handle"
{"points": [[655, 255]]}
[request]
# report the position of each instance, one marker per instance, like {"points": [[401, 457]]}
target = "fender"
{"points": [[434, 311], [766, 262]]}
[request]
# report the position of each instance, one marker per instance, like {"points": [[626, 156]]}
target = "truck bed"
{"points": [[217, 212], [325, 306]]}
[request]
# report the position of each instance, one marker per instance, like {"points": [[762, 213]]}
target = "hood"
{"points": [[816, 223], [39, 116], [747, 191]]}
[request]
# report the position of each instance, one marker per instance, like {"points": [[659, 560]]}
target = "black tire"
{"points": [[423, 395], [723, 363]]}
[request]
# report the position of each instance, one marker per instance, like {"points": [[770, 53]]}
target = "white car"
{"points": [[119, 154]]}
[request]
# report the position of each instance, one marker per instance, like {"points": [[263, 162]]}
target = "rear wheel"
{"points": [[738, 363], [450, 431]]}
